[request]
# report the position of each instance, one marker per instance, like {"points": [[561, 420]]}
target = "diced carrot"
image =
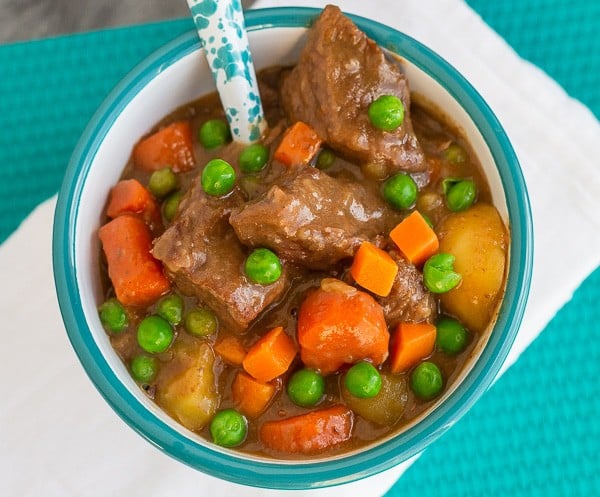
{"points": [[251, 396], [308, 433], [231, 350], [271, 356], [415, 238], [136, 276], [338, 324], [411, 342], [171, 146], [129, 196], [374, 269], [298, 146]]}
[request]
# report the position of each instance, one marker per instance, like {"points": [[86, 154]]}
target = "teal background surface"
{"points": [[537, 431]]}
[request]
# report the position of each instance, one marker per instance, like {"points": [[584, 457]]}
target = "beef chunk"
{"points": [[340, 72], [409, 300], [313, 219], [206, 259]]}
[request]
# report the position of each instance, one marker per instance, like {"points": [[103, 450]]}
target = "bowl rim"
{"points": [[230, 465]]}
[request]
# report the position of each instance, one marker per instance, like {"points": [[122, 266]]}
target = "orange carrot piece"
{"points": [[415, 238], [271, 356], [338, 324], [308, 433], [136, 276], [231, 350], [374, 269], [411, 342], [298, 146], [251, 396], [129, 196], [171, 146]]}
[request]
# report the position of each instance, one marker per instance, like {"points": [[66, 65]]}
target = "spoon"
{"points": [[220, 25]]}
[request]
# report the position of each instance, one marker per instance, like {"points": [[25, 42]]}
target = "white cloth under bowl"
{"points": [[60, 439]]}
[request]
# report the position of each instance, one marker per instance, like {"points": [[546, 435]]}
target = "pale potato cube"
{"points": [[478, 239], [387, 407], [189, 392]]}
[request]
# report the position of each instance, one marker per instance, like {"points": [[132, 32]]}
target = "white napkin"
{"points": [[59, 438]]}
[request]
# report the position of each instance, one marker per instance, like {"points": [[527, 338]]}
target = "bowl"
{"points": [[177, 74]]}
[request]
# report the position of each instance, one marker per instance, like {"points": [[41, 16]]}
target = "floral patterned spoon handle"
{"points": [[222, 33]]}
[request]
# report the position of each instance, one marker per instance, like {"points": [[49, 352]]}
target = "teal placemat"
{"points": [[536, 432], [49, 90], [560, 36]]}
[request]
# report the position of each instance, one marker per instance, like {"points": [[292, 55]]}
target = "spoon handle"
{"points": [[220, 25]]}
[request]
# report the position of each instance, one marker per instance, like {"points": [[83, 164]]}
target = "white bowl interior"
{"points": [[184, 81]]}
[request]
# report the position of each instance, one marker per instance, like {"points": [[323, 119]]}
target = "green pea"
{"points": [[254, 158], [228, 428], [144, 368], [218, 177], [363, 380], [171, 308], [455, 154], [162, 182], [451, 335], [325, 159], [154, 334], [439, 275], [400, 191], [263, 267], [306, 387], [214, 133], [171, 205], [426, 380], [460, 195], [427, 219], [113, 316], [386, 112], [201, 322]]}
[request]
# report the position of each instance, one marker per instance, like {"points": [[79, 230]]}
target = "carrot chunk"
{"points": [[136, 276], [171, 146], [298, 146], [411, 342], [129, 196], [338, 324], [271, 356], [251, 396], [374, 269], [415, 238], [308, 433], [231, 350]]}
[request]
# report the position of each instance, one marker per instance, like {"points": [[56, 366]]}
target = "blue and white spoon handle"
{"points": [[222, 32]]}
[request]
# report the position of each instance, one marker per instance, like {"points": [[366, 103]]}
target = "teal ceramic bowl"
{"points": [[176, 74]]}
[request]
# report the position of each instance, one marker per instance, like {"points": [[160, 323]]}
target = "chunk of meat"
{"points": [[339, 73], [312, 219], [409, 300], [205, 258]]}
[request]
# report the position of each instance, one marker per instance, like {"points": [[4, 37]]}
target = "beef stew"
{"points": [[338, 333]]}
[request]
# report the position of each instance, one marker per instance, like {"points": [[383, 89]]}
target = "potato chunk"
{"points": [[478, 239], [387, 406], [187, 391]]}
